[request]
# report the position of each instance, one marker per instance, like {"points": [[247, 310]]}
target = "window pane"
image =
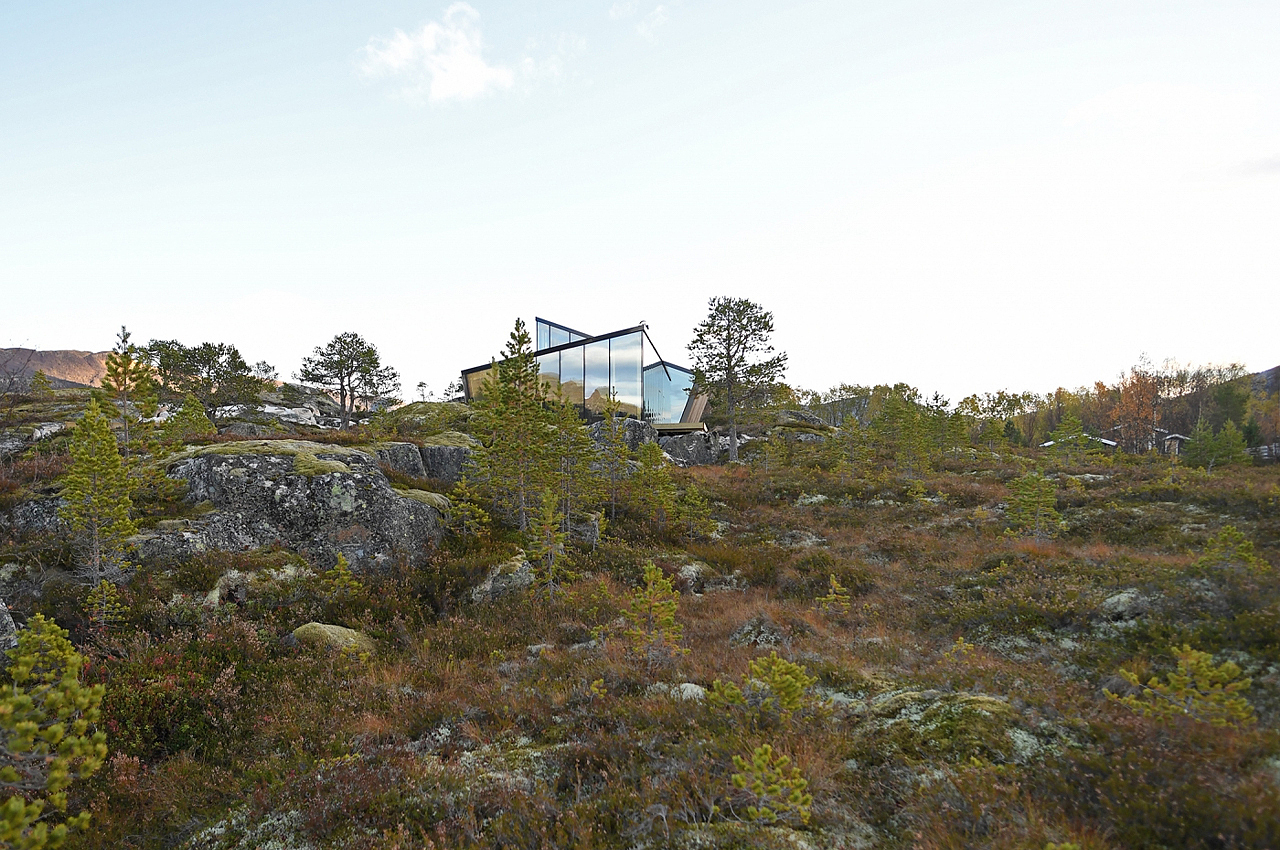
{"points": [[544, 335], [557, 336], [596, 389], [625, 367], [571, 375], [549, 373], [665, 397]]}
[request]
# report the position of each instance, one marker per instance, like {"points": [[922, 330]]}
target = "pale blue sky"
{"points": [[963, 195]]}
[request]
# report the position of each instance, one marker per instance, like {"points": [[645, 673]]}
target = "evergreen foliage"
{"points": [[1206, 449], [40, 388], [546, 541], [340, 584], [778, 794], [466, 517], [1031, 505], [45, 737], [651, 613], [694, 512], [1198, 689], [653, 489], [189, 423], [97, 495], [773, 686], [514, 461], [102, 607], [1070, 443], [614, 453], [836, 600], [733, 358], [214, 373], [128, 381], [352, 369]]}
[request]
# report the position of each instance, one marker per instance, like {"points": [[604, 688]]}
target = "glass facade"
{"points": [[550, 334], [666, 392], [584, 370]]}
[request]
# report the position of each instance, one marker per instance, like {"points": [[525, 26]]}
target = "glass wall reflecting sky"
{"points": [[586, 374]]}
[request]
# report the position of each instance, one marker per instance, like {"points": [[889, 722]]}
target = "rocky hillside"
{"points": [[64, 368], [313, 650]]}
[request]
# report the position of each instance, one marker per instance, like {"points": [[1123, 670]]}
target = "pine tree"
{"points": [[653, 489], [546, 543], [45, 742], [128, 377], [1031, 505], [694, 512], [466, 516], [1232, 445], [189, 423], [513, 424], [40, 389], [574, 456], [102, 607], [96, 495], [1069, 440], [614, 452], [654, 632]]}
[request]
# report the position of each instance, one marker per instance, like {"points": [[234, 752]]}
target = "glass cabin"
{"points": [[584, 369]]}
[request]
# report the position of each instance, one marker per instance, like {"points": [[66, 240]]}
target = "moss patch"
{"points": [[436, 500], [450, 438], [929, 726]]}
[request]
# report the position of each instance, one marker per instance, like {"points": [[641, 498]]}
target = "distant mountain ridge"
{"points": [[64, 368]]}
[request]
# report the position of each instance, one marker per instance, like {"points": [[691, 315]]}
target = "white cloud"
{"points": [[652, 21], [442, 61], [622, 9]]}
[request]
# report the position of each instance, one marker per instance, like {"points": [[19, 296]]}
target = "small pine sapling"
{"points": [[40, 388], [694, 512], [1032, 505], [96, 496], [189, 423], [45, 737], [654, 490], [654, 632], [777, 794], [1198, 689], [340, 584], [836, 601], [1231, 551], [773, 686], [546, 543], [467, 518], [103, 609]]}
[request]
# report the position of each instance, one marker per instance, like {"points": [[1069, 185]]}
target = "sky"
{"points": [[965, 196]]}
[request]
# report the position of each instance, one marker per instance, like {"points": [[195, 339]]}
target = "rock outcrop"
{"points": [[404, 458], [445, 456], [318, 499], [509, 577], [634, 433]]}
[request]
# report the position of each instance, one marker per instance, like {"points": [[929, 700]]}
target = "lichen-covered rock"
{"points": [[8, 634], [699, 448], [329, 636], [513, 576], [318, 500], [445, 456], [633, 432], [944, 727], [38, 516], [404, 458]]}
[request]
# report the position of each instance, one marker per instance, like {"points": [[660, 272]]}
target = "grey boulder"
{"points": [[318, 500], [633, 432]]}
